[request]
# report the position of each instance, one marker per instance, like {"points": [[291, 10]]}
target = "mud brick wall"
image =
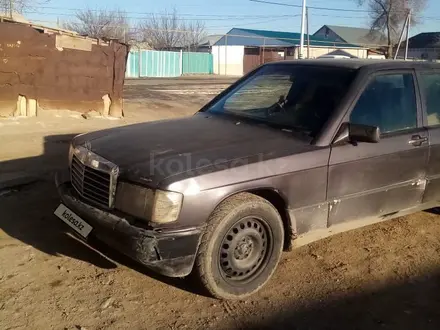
{"points": [[50, 71]]}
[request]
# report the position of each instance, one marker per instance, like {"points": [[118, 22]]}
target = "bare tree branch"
{"points": [[195, 33], [18, 6], [388, 16], [102, 24], [167, 31]]}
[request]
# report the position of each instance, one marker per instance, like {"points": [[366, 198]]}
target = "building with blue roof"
{"points": [[241, 50]]}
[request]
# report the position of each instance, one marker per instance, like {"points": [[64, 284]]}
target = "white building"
{"points": [[241, 50]]}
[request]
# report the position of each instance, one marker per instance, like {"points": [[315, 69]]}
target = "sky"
{"points": [[222, 15]]}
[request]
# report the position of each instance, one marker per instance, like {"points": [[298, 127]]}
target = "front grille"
{"points": [[91, 184]]}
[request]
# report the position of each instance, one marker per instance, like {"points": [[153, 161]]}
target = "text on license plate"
{"points": [[74, 221]]}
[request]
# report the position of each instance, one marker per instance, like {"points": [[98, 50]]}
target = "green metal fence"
{"points": [[153, 63], [132, 68], [194, 63]]}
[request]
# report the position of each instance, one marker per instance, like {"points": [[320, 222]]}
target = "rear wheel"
{"points": [[240, 248]]}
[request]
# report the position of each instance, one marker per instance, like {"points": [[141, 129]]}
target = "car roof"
{"points": [[361, 63]]}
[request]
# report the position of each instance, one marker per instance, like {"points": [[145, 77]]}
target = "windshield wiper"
{"points": [[289, 128], [279, 105], [265, 121]]}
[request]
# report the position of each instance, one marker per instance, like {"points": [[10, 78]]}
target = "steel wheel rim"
{"points": [[245, 250]]}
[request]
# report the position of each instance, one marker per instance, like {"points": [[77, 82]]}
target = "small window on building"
{"points": [[291, 52], [251, 51]]}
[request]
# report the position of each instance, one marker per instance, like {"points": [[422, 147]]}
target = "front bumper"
{"points": [[170, 253]]}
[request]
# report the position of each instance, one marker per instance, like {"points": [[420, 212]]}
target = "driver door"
{"points": [[380, 179]]}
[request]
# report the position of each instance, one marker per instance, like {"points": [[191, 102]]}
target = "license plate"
{"points": [[74, 221]]}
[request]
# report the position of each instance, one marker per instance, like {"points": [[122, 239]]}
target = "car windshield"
{"points": [[291, 96]]}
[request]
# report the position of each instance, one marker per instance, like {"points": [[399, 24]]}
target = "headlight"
{"points": [[134, 200], [159, 206], [71, 150], [166, 206]]}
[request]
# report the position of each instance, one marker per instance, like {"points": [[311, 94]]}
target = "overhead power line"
{"points": [[177, 18], [134, 29], [316, 8], [201, 16], [310, 7], [253, 23], [212, 17]]}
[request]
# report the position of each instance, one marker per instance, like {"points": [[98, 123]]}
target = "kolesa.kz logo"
{"points": [[66, 215]]}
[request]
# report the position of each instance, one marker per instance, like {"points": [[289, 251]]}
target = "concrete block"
{"points": [[31, 108], [64, 41], [21, 106], [107, 104]]}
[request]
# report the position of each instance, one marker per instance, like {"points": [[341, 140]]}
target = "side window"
{"points": [[430, 83], [389, 102]]}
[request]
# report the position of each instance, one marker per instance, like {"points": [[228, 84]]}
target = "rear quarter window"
{"points": [[430, 83]]}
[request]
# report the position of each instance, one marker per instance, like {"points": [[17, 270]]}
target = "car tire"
{"points": [[240, 248]]}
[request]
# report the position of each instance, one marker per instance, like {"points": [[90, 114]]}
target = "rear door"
{"points": [[379, 179], [430, 89]]}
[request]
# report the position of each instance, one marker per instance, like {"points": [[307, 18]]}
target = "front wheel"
{"points": [[240, 248]]}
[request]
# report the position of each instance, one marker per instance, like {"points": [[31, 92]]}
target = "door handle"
{"points": [[417, 140]]}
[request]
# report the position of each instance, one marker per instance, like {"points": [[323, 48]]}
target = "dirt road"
{"points": [[386, 276]]}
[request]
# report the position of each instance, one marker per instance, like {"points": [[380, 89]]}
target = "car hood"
{"points": [[151, 152]]}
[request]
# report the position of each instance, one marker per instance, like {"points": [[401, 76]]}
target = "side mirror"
{"points": [[358, 133]]}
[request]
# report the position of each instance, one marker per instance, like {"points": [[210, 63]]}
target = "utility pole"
{"points": [[303, 18], [405, 27], [11, 10], [308, 35], [407, 35]]}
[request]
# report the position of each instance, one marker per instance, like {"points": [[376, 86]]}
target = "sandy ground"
{"points": [[386, 276]]}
